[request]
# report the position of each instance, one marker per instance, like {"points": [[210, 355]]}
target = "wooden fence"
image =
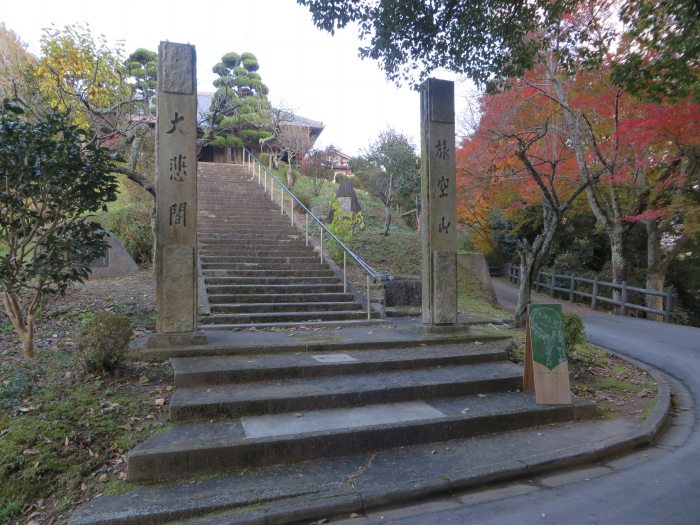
{"points": [[596, 291]]}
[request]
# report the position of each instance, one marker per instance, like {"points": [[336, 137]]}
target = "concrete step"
{"points": [[252, 252], [338, 323], [274, 288], [206, 259], [250, 237], [290, 246], [199, 371], [266, 266], [249, 308], [252, 272], [280, 298], [205, 240], [282, 317], [337, 391], [254, 280], [207, 448]]}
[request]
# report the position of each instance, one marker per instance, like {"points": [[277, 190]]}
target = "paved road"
{"points": [[660, 485]]}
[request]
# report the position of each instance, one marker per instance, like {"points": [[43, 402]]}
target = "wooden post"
{"points": [[623, 298], [668, 305], [572, 288], [594, 294], [551, 283]]}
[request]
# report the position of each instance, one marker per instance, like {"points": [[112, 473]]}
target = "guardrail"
{"points": [[263, 174], [572, 285]]}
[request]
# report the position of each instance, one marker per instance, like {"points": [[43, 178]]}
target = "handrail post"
{"points": [[281, 201], [345, 279], [552, 280], [623, 298], [265, 183], [321, 244], [291, 208], [259, 174], [668, 305], [594, 294], [307, 228], [572, 287], [369, 307]]}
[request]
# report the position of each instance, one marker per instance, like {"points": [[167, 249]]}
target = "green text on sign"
{"points": [[547, 334]]}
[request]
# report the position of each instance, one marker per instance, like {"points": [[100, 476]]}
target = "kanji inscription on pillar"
{"points": [[176, 220], [439, 219]]}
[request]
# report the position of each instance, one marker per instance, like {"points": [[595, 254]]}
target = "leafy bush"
{"points": [[343, 226], [305, 198], [573, 331], [103, 343], [131, 223]]}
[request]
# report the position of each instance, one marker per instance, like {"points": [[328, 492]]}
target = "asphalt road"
{"points": [[659, 485]]}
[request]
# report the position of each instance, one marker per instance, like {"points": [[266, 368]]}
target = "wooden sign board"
{"points": [[546, 364]]}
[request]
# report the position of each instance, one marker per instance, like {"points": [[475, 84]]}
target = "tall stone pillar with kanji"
{"points": [[176, 202], [439, 217]]}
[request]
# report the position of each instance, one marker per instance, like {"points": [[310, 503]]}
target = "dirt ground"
{"points": [[133, 296]]}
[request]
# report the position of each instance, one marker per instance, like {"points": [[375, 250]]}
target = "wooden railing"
{"points": [[596, 291]]}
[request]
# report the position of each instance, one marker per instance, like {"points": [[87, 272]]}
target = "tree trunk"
{"points": [[531, 258], [656, 270], [387, 220], [619, 262], [290, 177], [524, 292], [25, 330]]}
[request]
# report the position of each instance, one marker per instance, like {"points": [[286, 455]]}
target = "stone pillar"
{"points": [[176, 168], [439, 217]]}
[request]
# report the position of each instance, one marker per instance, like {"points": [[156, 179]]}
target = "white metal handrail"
{"points": [[262, 172]]}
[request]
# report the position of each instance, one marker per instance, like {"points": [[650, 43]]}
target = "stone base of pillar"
{"points": [[454, 328], [177, 340]]}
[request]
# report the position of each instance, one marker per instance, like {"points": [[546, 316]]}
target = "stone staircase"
{"points": [[256, 266], [257, 407]]}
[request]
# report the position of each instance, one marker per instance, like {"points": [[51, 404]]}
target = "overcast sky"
{"points": [[317, 75]]}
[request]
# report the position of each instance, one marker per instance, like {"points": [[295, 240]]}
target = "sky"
{"points": [[316, 75]]}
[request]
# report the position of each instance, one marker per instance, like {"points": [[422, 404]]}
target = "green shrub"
{"points": [[573, 331], [131, 224], [103, 343], [343, 226]]}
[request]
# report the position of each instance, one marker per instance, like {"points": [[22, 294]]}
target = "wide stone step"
{"points": [[261, 280], [216, 267], [207, 448], [205, 240], [199, 371], [251, 272], [280, 298], [254, 232], [281, 317], [275, 288], [250, 308], [269, 219], [251, 237], [249, 251], [271, 397], [259, 259]]}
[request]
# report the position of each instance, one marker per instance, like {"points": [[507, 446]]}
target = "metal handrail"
{"points": [[371, 273]]}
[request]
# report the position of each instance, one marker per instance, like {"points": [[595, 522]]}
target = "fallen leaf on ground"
{"points": [[31, 452]]}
